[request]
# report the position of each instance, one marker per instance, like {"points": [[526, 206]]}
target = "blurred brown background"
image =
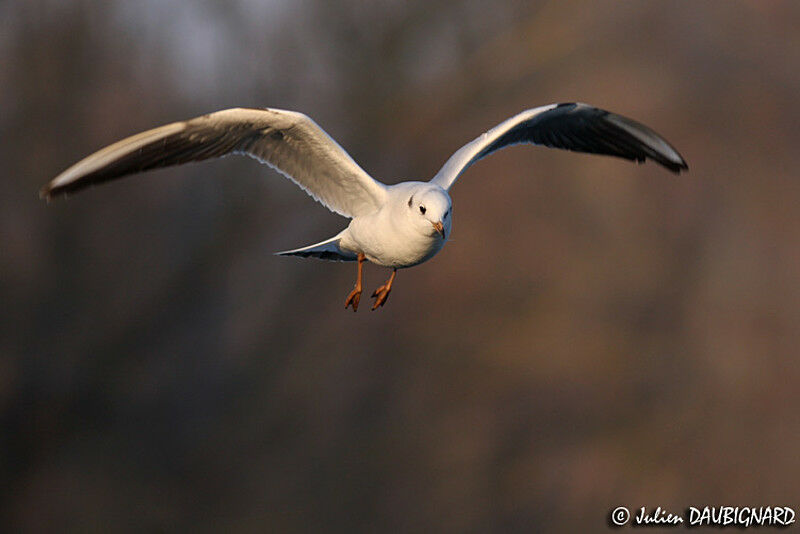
{"points": [[596, 334]]}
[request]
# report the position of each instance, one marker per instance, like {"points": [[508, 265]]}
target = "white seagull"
{"points": [[395, 226]]}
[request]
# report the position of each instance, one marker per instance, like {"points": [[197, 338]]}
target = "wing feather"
{"points": [[287, 141], [570, 126]]}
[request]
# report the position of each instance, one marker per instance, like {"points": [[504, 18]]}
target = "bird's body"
{"points": [[395, 226], [396, 236]]}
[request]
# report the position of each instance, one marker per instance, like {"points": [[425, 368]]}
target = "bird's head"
{"points": [[430, 208]]}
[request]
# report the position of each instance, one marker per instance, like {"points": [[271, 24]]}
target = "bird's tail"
{"points": [[324, 250]]}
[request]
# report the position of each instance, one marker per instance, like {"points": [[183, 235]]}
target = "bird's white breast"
{"points": [[390, 241]]}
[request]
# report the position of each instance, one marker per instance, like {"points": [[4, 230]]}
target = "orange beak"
{"points": [[439, 228]]}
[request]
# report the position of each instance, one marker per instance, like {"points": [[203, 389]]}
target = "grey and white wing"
{"points": [[571, 126], [287, 141]]}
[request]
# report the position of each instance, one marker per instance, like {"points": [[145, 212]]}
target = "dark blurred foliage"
{"points": [[596, 334]]}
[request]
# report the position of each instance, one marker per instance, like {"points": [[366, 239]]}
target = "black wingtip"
{"points": [[680, 165], [678, 168], [46, 193], [50, 192]]}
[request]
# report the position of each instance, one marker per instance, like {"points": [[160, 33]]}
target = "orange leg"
{"points": [[382, 293], [355, 295]]}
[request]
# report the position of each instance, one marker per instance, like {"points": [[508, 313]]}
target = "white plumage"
{"points": [[394, 226]]}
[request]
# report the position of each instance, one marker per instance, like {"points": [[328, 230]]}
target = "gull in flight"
{"points": [[394, 226]]}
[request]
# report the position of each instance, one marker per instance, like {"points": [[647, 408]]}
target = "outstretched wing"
{"points": [[287, 141], [576, 127]]}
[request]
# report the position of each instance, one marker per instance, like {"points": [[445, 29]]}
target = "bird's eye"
{"points": [[422, 210]]}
